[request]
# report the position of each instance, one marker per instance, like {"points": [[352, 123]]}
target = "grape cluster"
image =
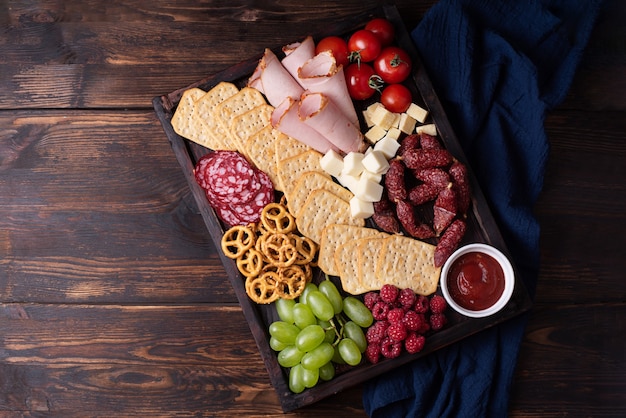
{"points": [[318, 331], [402, 321]]}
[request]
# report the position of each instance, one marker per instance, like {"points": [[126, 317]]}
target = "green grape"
{"points": [[328, 329], [327, 371], [329, 290], [305, 293], [349, 352], [284, 332], [320, 305], [277, 345], [303, 315], [356, 334], [290, 356], [357, 311], [337, 359], [317, 357], [284, 307], [310, 337], [310, 377], [295, 379]]}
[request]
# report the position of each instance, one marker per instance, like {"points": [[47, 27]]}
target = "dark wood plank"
{"points": [[563, 341], [93, 207], [582, 209], [138, 360]]}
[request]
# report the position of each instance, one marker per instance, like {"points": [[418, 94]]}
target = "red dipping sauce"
{"points": [[475, 281]]}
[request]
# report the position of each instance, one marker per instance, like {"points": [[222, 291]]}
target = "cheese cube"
{"points": [[375, 133], [383, 118], [393, 133], [367, 114], [348, 181], [396, 121], [429, 129], [388, 146], [353, 163], [417, 113], [368, 190], [377, 177], [372, 108], [376, 162], [332, 163], [407, 123], [360, 209]]}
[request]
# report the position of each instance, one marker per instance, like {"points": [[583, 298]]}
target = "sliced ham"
{"points": [[297, 54], [321, 74], [286, 120], [322, 114], [272, 79]]}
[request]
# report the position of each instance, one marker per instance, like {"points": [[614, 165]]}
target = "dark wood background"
{"points": [[113, 301]]}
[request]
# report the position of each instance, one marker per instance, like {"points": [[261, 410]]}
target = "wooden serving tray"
{"points": [[481, 226]]}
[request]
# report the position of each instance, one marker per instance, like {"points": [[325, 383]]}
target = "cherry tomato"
{"points": [[337, 46], [396, 98], [383, 29], [364, 46], [393, 65], [362, 80]]}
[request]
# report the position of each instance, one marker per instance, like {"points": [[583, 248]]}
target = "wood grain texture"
{"points": [[113, 299]]}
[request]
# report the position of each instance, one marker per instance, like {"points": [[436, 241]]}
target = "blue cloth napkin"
{"points": [[498, 67]]}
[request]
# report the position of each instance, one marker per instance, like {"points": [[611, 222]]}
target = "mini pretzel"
{"points": [[250, 263], [307, 249], [292, 281], [237, 240], [276, 218], [280, 250], [262, 289]]}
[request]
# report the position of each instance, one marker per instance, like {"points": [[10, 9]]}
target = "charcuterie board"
{"points": [[481, 226]]}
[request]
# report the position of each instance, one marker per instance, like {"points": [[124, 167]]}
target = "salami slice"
{"points": [[251, 211], [231, 176], [228, 216], [201, 168]]}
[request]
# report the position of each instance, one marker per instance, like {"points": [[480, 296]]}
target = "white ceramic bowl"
{"points": [[509, 279]]}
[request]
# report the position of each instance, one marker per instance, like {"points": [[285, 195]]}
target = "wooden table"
{"points": [[113, 301]]}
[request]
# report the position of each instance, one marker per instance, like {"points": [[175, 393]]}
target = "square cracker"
{"points": [[204, 107], [335, 235], [244, 100], [183, 120], [248, 123], [407, 262], [348, 265], [369, 250], [287, 147], [290, 169], [313, 180], [261, 150], [323, 208]]}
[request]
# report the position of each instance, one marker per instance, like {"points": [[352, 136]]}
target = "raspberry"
{"points": [[370, 299], [414, 343], [376, 332], [437, 321], [424, 324], [395, 315], [389, 293], [412, 320], [407, 298], [380, 310], [397, 331], [372, 353], [437, 304], [421, 304], [390, 348]]}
